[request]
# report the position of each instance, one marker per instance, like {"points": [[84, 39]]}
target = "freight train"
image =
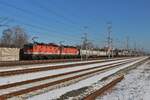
{"points": [[41, 51], [36, 51]]}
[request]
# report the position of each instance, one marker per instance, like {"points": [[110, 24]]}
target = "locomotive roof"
{"points": [[49, 44], [67, 46], [36, 43]]}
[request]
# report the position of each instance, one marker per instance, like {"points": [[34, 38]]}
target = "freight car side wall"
{"points": [[93, 53], [9, 54]]}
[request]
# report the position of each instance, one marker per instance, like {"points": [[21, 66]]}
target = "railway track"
{"points": [[16, 63], [11, 77], [19, 70], [100, 91], [58, 75], [23, 87]]}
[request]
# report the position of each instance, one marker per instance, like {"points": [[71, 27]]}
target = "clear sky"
{"points": [[64, 20]]}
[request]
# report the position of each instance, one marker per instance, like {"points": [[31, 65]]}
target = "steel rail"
{"points": [[5, 86], [38, 69], [15, 63], [100, 91], [27, 90]]}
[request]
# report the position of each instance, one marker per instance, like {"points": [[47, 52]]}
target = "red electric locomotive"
{"points": [[69, 50], [48, 51]]}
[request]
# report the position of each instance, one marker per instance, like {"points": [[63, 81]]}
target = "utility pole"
{"points": [[142, 51], [82, 42], [86, 44], [135, 48], [81, 48], [112, 48], [127, 45], [109, 39]]}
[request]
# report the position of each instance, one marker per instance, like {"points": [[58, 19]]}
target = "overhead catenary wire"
{"points": [[2, 19], [28, 11], [35, 26], [53, 12], [31, 13], [20, 9], [42, 29], [46, 30], [60, 16]]}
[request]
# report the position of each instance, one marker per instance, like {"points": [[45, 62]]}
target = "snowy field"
{"points": [[7, 68], [135, 86], [28, 76], [4, 91], [84, 83]]}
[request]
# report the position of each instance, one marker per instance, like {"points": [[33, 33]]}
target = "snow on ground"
{"points": [[22, 77], [87, 82], [135, 86], [46, 65], [7, 68], [4, 91]]}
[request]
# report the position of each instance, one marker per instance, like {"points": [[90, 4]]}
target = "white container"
{"points": [[9, 54]]}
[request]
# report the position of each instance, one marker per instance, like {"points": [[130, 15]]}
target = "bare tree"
{"points": [[20, 37], [7, 38], [14, 37]]}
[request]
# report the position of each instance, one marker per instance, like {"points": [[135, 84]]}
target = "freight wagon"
{"points": [[93, 53], [9, 54]]}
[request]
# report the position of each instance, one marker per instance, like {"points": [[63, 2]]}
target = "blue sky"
{"points": [[64, 20]]}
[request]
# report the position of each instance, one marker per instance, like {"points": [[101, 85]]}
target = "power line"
{"points": [[45, 29], [39, 28], [28, 12], [84, 45], [21, 9], [53, 12], [4, 21], [127, 42], [55, 37], [39, 5], [31, 13]]}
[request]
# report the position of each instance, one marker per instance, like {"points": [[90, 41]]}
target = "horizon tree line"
{"points": [[14, 37]]}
